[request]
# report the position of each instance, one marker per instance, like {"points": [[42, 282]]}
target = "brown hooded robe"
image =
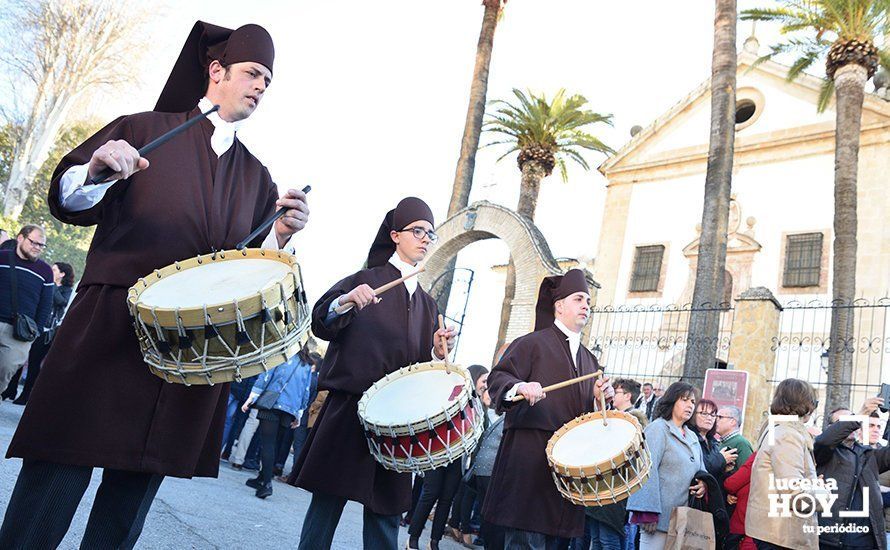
{"points": [[96, 403], [522, 492], [365, 346]]}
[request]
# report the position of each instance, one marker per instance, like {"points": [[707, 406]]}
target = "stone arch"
{"points": [[528, 249]]}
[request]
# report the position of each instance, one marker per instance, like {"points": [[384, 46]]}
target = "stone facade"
{"points": [[783, 180]]}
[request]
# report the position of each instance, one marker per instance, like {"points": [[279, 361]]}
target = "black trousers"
{"points": [[454, 521], [492, 534], [46, 495], [439, 487], [38, 351], [379, 532], [268, 438], [285, 442], [416, 489], [516, 539]]}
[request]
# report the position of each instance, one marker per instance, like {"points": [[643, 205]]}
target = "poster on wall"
{"points": [[726, 387]]}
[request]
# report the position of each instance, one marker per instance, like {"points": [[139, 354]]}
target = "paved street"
{"points": [[207, 513]]}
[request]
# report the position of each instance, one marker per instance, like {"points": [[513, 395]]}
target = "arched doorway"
{"points": [[528, 249]]}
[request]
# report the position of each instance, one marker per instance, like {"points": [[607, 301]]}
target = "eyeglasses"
{"points": [[37, 244], [420, 232], [723, 417], [711, 414]]}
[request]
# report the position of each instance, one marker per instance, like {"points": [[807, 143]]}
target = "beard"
{"points": [[27, 255]]}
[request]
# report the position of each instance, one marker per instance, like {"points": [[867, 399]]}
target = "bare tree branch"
{"points": [[63, 49]]}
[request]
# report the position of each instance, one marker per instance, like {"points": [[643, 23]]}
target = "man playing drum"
{"points": [[378, 336], [522, 496], [97, 404]]}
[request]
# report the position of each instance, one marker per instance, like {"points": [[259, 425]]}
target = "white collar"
{"points": [[571, 335], [405, 269], [223, 132]]}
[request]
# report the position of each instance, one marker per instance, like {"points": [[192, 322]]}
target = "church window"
{"points": [[744, 111], [647, 268], [803, 260]]}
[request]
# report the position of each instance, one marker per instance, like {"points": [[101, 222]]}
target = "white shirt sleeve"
{"points": [[334, 305], [512, 393], [271, 242], [74, 196]]}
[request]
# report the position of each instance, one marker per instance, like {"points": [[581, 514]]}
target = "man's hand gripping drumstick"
{"points": [[533, 392], [363, 295], [444, 342]]}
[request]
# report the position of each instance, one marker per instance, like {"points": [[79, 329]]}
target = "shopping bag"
{"points": [[690, 529]]}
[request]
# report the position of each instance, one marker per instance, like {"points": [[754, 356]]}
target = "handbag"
{"points": [[268, 398], [690, 529], [24, 329]]}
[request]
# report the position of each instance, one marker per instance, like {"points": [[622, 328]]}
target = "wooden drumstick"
{"points": [[603, 405], [343, 308], [445, 343], [563, 384]]}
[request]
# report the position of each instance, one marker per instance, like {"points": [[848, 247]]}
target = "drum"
{"points": [[220, 317], [421, 417], [595, 464]]}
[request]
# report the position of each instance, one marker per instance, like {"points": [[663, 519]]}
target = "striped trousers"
{"points": [[46, 495]]}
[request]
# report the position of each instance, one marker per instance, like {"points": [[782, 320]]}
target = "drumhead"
{"points": [[413, 397], [214, 283], [591, 442]]}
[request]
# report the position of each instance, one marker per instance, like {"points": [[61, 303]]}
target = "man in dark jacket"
{"points": [[855, 467], [33, 297]]}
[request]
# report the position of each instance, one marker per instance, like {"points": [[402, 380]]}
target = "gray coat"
{"points": [[675, 461]]}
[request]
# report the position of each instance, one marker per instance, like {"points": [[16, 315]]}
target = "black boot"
{"points": [[434, 544], [413, 543], [254, 482], [264, 491]]}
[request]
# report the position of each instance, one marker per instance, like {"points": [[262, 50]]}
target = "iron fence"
{"points": [[648, 342], [804, 340]]}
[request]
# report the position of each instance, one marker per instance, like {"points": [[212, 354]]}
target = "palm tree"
{"points": [[704, 318], [466, 163], [546, 134], [844, 33]]}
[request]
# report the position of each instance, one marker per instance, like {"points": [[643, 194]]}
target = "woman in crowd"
{"points": [[279, 395], [786, 456], [676, 458], [439, 487], [738, 487], [704, 421]]}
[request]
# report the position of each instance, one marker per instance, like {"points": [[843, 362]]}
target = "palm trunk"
{"points": [[704, 319], [849, 82], [466, 163], [530, 188]]}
